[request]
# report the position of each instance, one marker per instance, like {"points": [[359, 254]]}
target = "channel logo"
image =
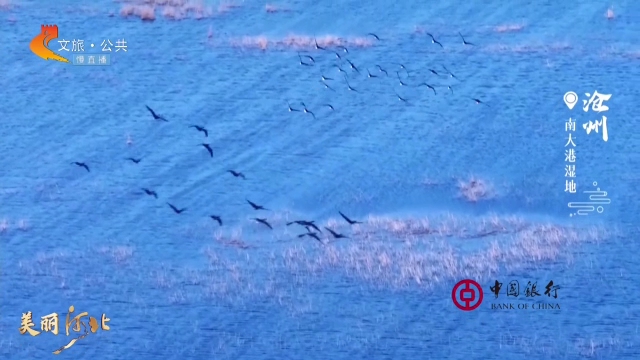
{"points": [[40, 44]]}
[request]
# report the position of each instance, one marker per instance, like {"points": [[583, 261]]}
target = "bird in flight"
{"points": [[302, 61], [374, 35], [176, 210], [336, 235], [307, 111], [156, 116], [433, 40], [256, 206], [237, 174], [478, 101], [352, 66], [430, 87], [450, 73], [307, 56], [290, 108], [150, 192], [209, 149], [311, 234], [200, 128], [305, 223], [382, 70], [82, 165], [400, 80], [318, 47], [134, 160], [465, 42], [263, 221], [351, 222], [217, 218]]}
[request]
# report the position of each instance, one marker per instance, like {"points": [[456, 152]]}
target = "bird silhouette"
{"points": [[430, 87], [237, 174], [478, 101], [209, 149], [201, 129], [134, 160], [150, 192], [433, 40], [336, 235], [351, 222], [156, 116], [263, 221], [305, 223], [256, 206], [311, 234], [465, 42], [217, 218], [82, 165], [374, 35], [290, 108], [176, 210]]}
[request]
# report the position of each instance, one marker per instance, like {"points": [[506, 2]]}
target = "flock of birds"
{"points": [[312, 229], [340, 53]]}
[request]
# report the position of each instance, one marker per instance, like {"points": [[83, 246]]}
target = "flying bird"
{"points": [[134, 160], [400, 98], [479, 102], [237, 174], [329, 106], [150, 192], [433, 40], [209, 149], [336, 235], [399, 79], [201, 129], [374, 35], [324, 78], [338, 55], [318, 47], [305, 223], [430, 87], [326, 86], [82, 165], [216, 218], [307, 56], [340, 69], [349, 85], [256, 206], [382, 70], [290, 108], [307, 111], [263, 221], [449, 72], [156, 116], [351, 65], [304, 63], [371, 75], [343, 48], [311, 234], [351, 222], [176, 210], [465, 42], [434, 72]]}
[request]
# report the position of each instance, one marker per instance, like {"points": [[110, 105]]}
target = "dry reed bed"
{"points": [[386, 253]]}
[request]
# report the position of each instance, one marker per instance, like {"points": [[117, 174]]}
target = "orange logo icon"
{"points": [[40, 44]]}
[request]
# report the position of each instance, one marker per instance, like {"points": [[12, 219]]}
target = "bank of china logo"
{"points": [[40, 43]]}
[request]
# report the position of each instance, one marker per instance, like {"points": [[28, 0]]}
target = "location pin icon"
{"points": [[570, 98]]}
